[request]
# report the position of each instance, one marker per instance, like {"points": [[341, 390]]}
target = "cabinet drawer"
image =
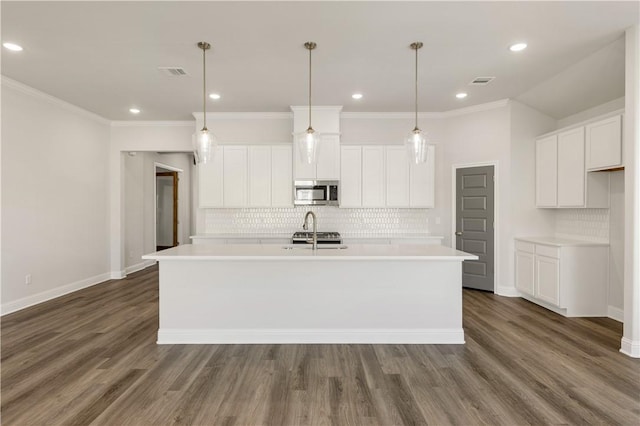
{"points": [[524, 246], [548, 251]]}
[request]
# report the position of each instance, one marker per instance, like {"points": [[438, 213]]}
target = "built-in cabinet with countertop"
{"points": [[569, 277], [384, 176], [247, 176], [566, 161]]}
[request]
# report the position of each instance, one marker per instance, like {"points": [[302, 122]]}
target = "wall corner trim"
{"points": [[244, 116], [54, 293], [159, 123], [615, 313], [118, 275], [507, 291]]}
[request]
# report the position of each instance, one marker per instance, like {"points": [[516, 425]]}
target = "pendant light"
{"points": [[204, 140], [308, 140], [416, 141]]}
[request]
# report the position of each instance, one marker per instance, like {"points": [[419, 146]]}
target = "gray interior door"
{"points": [[474, 225]]}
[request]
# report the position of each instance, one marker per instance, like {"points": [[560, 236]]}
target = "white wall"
{"points": [[54, 197], [614, 105], [139, 203], [164, 136]]}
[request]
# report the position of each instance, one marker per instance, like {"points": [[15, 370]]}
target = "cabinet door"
{"points": [[571, 173], [547, 172], [373, 182], [328, 164], [210, 179], [351, 176], [302, 170], [604, 143], [547, 279], [235, 176], [397, 172], [422, 181], [525, 272], [259, 176], [281, 176]]}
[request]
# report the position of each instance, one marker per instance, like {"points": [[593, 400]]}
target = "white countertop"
{"points": [[560, 242], [347, 236], [278, 252]]}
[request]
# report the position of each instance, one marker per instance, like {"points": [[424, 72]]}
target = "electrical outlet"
{"points": [[27, 279]]}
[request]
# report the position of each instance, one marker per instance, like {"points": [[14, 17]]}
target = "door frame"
{"points": [[155, 195], [496, 213]]}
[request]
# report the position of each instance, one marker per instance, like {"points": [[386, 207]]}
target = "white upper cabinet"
{"points": [[210, 178], [247, 176], [351, 176], [259, 175], [547, 172], [561, 176], [373, 176], [326, 121], [571, 174], [397, 172], [422, 181], [604, 143], [384, 176], [281, 176], [235, 176], [327, 165]]}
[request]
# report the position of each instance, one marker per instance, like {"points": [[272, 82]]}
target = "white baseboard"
{"points": [[293, 336], [139, 266], [615, 313], [35, 299], [507, 291], [630, 347]]}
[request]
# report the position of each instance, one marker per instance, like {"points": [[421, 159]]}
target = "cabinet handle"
{"points": [[458, 233]]}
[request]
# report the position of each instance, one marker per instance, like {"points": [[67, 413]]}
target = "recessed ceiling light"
{"points": [[518, 47], [12, 46], [215, 96], [357, 96], [461, 95], [134, 110]]}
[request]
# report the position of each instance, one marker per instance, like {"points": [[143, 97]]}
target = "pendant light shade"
{"points": [[416, 141], [307, 142], [204, 141]]}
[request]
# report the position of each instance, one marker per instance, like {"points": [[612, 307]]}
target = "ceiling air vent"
{"points": [[481, 81], [173, 71]]}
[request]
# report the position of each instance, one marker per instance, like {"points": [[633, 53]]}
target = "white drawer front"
{"points": [[524, 246], [548, 251]]}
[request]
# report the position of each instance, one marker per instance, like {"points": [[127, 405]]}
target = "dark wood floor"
{"points": [[91, 358]]}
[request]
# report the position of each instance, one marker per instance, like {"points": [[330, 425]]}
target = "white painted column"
{"points": [[631, 335]]}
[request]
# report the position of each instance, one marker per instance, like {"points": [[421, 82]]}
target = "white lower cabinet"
{"points": [[570, 278]]}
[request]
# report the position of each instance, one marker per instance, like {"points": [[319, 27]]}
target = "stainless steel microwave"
{"points": [[315, 192]]}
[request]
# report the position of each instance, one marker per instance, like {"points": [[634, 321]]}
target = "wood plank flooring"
{"points": [[91, 358]]}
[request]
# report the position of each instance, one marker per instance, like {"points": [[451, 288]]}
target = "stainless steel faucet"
{"points": [[315, 228]]}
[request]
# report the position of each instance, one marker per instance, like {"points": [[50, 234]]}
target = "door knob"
{"points": [[458, 233]]}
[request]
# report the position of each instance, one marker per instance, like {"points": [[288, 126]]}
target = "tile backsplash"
{"points": [[584, 224], [349, 222]]}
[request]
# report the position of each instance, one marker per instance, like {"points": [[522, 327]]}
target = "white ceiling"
{"points": [[103, 56]]}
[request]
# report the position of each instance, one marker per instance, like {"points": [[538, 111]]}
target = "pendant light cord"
{"points": [[416, 89], [310, 48], [204, 86]]}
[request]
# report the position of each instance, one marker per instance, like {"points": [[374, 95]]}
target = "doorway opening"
{"points": [[475, 224], [166, 208]]}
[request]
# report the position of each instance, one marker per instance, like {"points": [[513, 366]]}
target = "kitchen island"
{"points": [[273, 293]]}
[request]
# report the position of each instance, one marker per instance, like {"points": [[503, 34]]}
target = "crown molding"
{"points": [[330, 108], [28, 90], [127, 123], [390, 115], [244, 115], [476, 108], [425, 115]]}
